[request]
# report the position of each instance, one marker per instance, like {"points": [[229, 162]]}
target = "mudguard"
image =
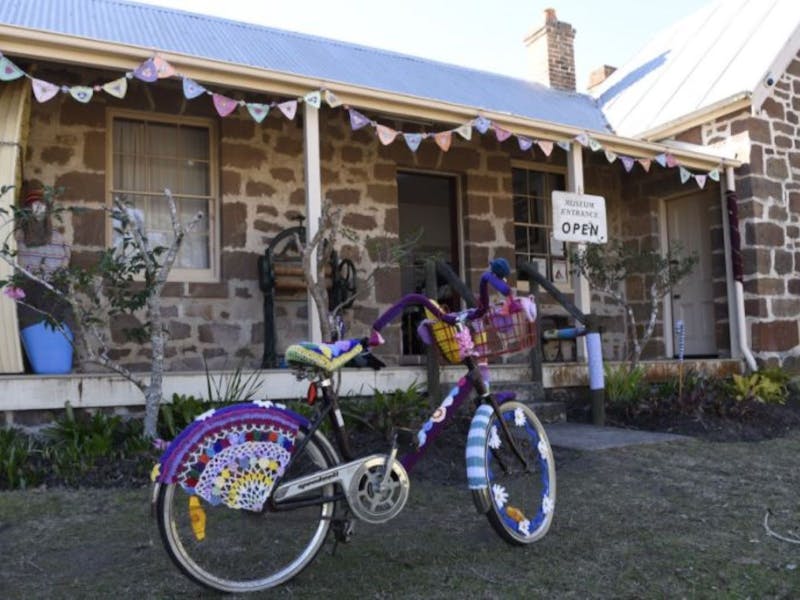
{"points": [[233, 455]]}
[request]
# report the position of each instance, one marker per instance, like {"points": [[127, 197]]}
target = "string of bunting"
{"points": [[156, 68]]}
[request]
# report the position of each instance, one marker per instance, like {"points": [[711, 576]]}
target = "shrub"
{"points": [[387, 410], [18, 469], [625, 390], [768, 386]]}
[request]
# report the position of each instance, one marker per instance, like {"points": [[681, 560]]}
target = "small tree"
{"points": [[127, 279], [607, 267]]}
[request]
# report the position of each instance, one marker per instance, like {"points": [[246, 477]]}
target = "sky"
{"points": [[480, 34]]}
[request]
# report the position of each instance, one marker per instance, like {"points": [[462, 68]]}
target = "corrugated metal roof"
{"points": [[723, 50], [208, 37]]}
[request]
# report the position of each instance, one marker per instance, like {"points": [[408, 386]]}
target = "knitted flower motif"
{"points": [[500, 495], [494, 438], [519, 417], [544, 449], [524, 527], [548, 505], [14, 292]]}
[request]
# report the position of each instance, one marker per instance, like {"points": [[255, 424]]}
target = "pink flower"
{"points": [[14, 292]]}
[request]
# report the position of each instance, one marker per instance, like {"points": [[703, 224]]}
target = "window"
{"points": [[150, 153], [533, 227]]}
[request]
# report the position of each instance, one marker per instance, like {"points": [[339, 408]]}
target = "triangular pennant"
{"points": [[357, 120], [224, 105], [610, 156], [582, 139], [288, 108], [502, 134], [443, 139], [482, 124], [645, 162], [192, 89], [594, 145], [81, 93], [385, 134], [465, 130], [525, 143], [332, 100], [8, 70], [258, 111], [671, 161], [413, 140], [313, 99], [627, 163], [565, 145], [685, 175], [44, 90], [546, 146], [117, 88], [661, 159], [701, 180], [714, 174], [163, 68], [146, 71]]}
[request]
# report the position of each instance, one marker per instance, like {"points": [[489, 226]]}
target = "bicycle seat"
{"points": [[327, 357]]}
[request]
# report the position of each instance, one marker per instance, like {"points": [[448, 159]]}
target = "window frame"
{"points": [[211, 274]]}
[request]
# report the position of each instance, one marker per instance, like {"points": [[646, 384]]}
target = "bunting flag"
{"points": [[645, 162], [610, 156], [465, 130], [565, 145], [288, 108], [525, 143], [672, 162], [594, 145], [164, 70], [8, 70], [582, 139], [386, 135], [258, 111], [482, 124], [685, 174], [357, 120], [714, 174], [443, 139], [413, 140], [192, 89], [661, 159], [117, 88], [224, 105], [331, 99], [147, 71], [313, 99], [627, 163], [81, 93], [43, 90], [502, 134], [701, 181], [545, 146]]}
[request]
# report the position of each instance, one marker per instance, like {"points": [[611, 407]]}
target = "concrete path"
{"points": [[580, 436]]}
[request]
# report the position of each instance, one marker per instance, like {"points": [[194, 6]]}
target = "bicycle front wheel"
{"points": [[519, 498], [237, 550]]}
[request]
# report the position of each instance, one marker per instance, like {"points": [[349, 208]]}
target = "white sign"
{"points": [[579, 218]]}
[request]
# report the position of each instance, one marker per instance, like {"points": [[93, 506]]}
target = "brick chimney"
{"points": [[599, 75], [551, 53]]}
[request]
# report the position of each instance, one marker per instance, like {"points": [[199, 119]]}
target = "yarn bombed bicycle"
{"points": [[247, 494]]}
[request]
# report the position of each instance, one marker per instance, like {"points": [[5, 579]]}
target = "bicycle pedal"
{"points": [[343, 530]]}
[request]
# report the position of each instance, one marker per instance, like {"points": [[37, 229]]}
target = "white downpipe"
{"points": [[738, 287], [313, 205]]}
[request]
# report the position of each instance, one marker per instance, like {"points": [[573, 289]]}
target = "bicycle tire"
{"points": [[519, 503], [234, 543]]}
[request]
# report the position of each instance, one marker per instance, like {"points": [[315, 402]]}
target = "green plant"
{"points": [[236, 387], [768, 386], [175, 416], [625, 389], [387, 410], [17, 466]]}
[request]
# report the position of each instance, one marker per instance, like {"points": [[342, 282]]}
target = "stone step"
{"points": [[532, 393]]}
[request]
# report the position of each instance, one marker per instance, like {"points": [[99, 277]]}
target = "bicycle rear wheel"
{"points": [[236, 550], [521, 500]]}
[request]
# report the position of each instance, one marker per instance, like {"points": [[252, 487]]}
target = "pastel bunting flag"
{"points": [[332, 100], [685, 175], [288, 108], [545, 146], [386, 134], [645, 162], [482, 124], [224, 105], [163, 68], [465, 130], [594, 145], [192, 89], [117, 88], [565, 145], [443, 139], [313, 99], [671, 161], [413, 140], [81, 93], [661, 159], [701, 180], [610, 156], [147, 71], [258, 111], [582, 139], [714, 174], [44, 90], [8, 70], [525, 143], [502, 134], [627, 163], [357, 120]]}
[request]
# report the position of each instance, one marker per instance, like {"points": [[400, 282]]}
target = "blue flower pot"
{"points": [[48, 350]]}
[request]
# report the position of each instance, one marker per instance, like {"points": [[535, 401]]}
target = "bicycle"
{"points": [[259, 464]]}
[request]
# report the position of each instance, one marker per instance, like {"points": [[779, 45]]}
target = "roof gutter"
{"points": [[706, 114], [45, 45]]}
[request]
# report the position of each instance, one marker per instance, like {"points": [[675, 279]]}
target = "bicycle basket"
{"points": [[506, 328]]}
